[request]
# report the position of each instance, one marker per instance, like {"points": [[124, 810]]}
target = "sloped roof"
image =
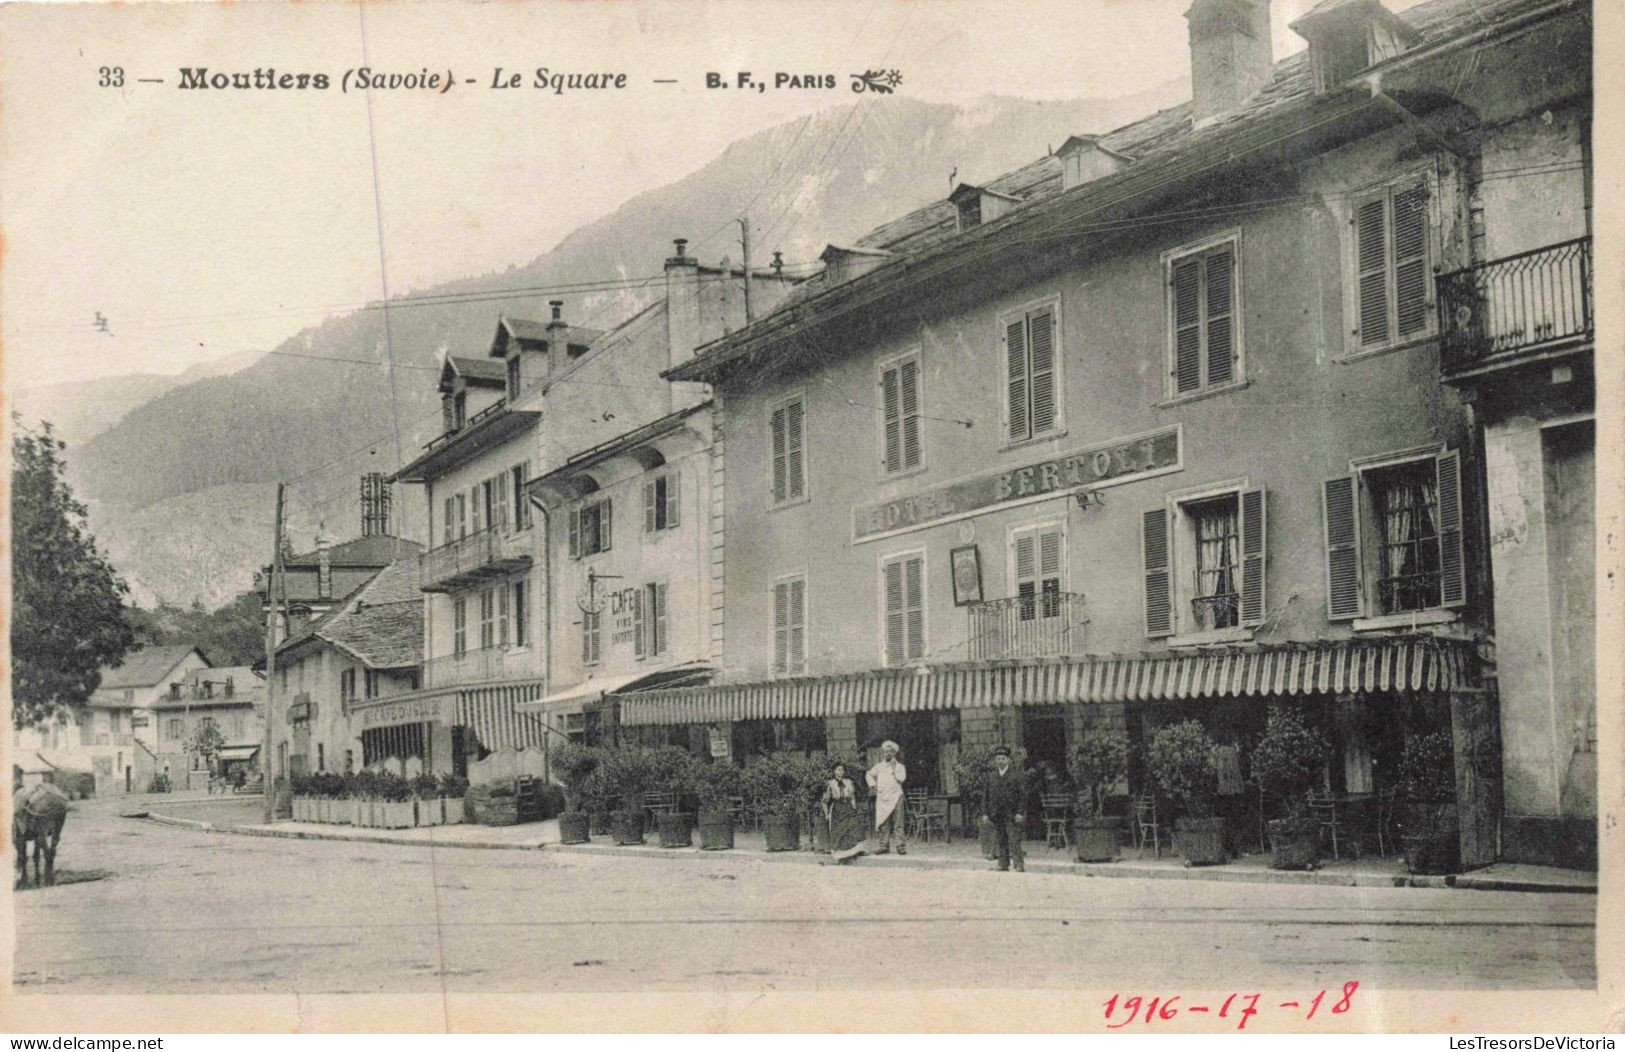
{"points": [[380, 624], [147, 667], [377, 550], [1159, 137], [482, 372], [540, 332]]}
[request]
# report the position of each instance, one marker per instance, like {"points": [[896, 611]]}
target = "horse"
{"points": [[39, 817]]}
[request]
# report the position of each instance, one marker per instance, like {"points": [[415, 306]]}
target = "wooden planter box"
{"points": [[429, 812], [783, 832], [627, 827], [598, 822], [1294, 844], [1096, 839], [1200, 840], [452, 809], [716, 831], [676, 830], [573, 827], [399, 814]]}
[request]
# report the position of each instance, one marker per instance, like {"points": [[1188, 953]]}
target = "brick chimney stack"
{"points": [[1230, 55]]}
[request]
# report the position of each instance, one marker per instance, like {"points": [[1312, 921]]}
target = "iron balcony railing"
{"points": [[486, 665], [492, 552], [1042, 625], [480, 417], [1504, 308]]}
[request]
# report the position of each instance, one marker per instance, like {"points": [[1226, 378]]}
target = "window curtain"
{"points": [[1410, 527], [1218, 550]]}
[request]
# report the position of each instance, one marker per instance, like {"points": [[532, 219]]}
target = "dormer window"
{"points": [[459, 410], [1347, 37], [976, 205], [1083, 160], [513, 376]]}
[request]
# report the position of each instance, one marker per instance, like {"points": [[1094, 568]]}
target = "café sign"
{"points": [[1108, 464], [423, 710]]}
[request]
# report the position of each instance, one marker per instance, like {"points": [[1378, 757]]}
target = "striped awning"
{"points": [[1412, 664], [491, 712]]}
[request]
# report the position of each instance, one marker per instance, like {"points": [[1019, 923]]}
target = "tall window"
{"points": [[372, 679], [902, 583], [592, 642], [649, 632], [787, 425], [513, 376], [1032, 374], [590, 529], [521, 625], [497, 489], [1203, 559], [459, 626], [521, 507], [488, 610], [790, 625], [660, 510], [502, 615], [1202, 307], [175, 732], [900, 407], [1216, 526], [1391, 266], [347, 685], [1394, 538]]}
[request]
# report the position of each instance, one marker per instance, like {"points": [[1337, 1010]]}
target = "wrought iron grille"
{"points": [[1516, 303], [1041, 625]]}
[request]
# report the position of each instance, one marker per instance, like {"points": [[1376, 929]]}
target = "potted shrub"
{"points": [[716, 784], [453, 787], [301, 796], [332, 792], [1180, 757], [774, 785], [1099, 761], [574, 764], [973, 770], [595, 799], [1430, 827], [399, 809], [365, 790], [1288, 761], [628, 772], [671, 771], [347, 808], [426, 800]]}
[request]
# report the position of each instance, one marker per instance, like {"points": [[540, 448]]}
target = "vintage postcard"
{"points": [[1089, 516]]}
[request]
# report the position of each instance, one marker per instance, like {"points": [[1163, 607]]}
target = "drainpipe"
{"points": [[546, 627]]}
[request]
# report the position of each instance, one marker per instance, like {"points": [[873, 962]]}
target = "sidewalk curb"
{"points": [[1103, 870]]}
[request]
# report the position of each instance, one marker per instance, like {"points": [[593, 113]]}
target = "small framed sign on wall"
{"points": [[967, 568]]}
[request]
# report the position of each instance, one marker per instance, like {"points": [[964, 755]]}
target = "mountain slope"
{"points": [[828, 178]]}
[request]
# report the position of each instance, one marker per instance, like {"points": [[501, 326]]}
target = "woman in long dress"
{"points": [[841, 812]]}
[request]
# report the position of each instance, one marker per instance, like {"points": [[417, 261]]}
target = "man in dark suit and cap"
{"points": [[1002, 801]]}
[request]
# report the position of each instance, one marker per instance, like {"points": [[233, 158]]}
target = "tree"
{"points": [[67, 602], [206, 743]]}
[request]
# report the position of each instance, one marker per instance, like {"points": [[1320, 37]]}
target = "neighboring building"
{"points": [[232, 699], [118, 730], [1154, 429], [338, 676], [316, 581]]}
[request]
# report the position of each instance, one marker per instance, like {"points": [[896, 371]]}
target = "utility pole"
{"points": [[744, 231], [268, 733]]}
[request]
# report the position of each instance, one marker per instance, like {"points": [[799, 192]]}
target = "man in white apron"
{"points": [[886, 783]]}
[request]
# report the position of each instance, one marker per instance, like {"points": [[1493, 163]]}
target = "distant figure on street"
{"points": [[841, 812], [886, 784], [1002, 803]]}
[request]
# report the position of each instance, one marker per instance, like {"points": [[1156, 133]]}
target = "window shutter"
{"points": [[502, 617], [1220, 304], [1015, 346], [449, 533], [1041, 340], [779, 474], [637, 624], [1452, 565], [891, 407], [1410, 260], [1339, 502], [673, 481], [649, 500], [1371, 249], [1154, 557], [892, 574], [658, 616], [781, 627], [479, 508], [793, 467], [1253, 548], [1026, 563], [462, 515], [1187, 326], [908, 382], [604, 533], [575, 533], [914, 602], [798, 624], [499, 489]]}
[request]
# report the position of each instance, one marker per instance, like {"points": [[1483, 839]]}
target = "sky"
{"points": [[202, 223]]}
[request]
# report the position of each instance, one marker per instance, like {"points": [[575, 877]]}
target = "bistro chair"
{"points": [[657, 804], [1056, 808], [931, 820], [1323, 806], [914, 800], [1147, 825], [736, 810]]}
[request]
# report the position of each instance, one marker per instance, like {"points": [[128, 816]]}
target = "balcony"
{"points": [[490, 665], [1046, 625], [472, 422], [493, 552], [1517, 309]]}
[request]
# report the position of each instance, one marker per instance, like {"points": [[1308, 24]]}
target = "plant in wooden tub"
{"points": [[1099, 761], [453, 793], [575, 764], [627, 772], [1289, 761], [774, 785], [1430, 827], [1181, 760], [716, 785], [399, 808], [671, 775]]}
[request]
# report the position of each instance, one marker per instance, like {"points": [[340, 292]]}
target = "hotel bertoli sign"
{"points": [[1108, 463], [420, 710]]}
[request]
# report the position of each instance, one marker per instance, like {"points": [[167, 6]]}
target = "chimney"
{"points": [[557, 321], [683, 323], [324, 566], [1230, 55]]}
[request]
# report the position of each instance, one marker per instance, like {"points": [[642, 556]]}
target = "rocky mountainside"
{"points": [[178, 486]]}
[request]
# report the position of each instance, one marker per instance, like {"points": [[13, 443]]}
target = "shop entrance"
{"points": [[929, 742]]}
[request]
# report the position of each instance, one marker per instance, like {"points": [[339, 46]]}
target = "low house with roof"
{"points": [[232, 699]]}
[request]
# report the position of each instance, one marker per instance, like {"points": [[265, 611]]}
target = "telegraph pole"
{"points": [[267, 734], [744, 230]]}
